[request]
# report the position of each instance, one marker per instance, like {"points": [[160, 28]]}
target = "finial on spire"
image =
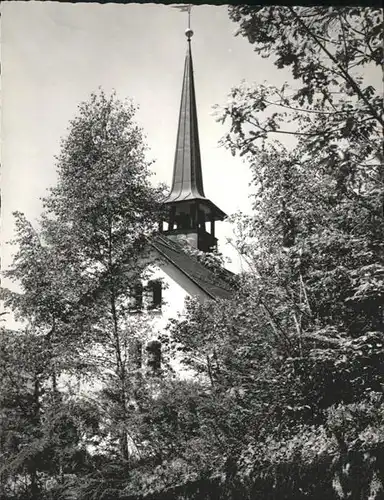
{"points": [[189, 34]]}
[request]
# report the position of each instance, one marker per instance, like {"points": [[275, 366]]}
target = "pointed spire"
{"points": [[187, 180], [189, 210]]}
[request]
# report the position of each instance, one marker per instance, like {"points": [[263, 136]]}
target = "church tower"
{"points": [[191, 215]]}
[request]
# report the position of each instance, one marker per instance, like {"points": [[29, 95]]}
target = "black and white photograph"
{"points": [[192, 251]]}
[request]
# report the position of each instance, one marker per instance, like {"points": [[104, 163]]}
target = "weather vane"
{"points": [[186, 8]]}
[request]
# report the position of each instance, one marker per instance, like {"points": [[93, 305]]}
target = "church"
{"points": [[190, 223]]}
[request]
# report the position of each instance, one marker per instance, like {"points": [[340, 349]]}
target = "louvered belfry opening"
{"points": [[190, 213]]}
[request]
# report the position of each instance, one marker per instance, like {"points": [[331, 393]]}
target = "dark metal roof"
{"points": [[213, 285], [187, 182], [217, 212]]}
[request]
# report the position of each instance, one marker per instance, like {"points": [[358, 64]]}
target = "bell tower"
{"points": [[191, 215]]}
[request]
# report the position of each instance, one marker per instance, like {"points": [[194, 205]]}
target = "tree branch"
{"points": [[344, 73]]}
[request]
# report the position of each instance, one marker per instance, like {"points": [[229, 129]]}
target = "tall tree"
{"points": [[77, 271], [323, 200]]}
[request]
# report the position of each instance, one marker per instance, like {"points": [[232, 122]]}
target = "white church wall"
{"points": [[150, 324], [176, 288]]}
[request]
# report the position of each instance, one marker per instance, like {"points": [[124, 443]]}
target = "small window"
{"points": [[154, 294], [136, 299]]}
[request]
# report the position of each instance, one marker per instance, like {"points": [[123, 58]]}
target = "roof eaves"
{"points": [[183, 271]]}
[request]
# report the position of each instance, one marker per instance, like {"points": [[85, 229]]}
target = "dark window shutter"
{"points": [[137, 297], [153, 349], [155, 294]]}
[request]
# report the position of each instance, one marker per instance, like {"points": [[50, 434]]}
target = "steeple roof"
{"points": [[187, 182]]}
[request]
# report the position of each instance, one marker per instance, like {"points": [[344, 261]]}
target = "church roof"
{"points": [[212, 284], [187, 181]]}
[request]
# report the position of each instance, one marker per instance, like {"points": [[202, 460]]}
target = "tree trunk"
{"points": [[35, 488]]}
